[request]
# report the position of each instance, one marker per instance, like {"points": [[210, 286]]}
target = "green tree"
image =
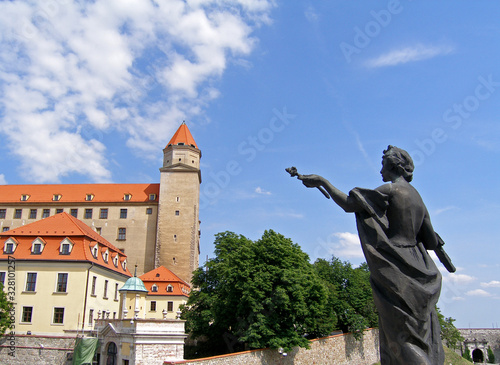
{"points": [[449, 333], [351, 294], [466, 355], [491, 356], [5, 309], [257, 294]]}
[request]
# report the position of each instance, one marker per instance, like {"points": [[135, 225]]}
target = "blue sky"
{"points": [[92, 92]]}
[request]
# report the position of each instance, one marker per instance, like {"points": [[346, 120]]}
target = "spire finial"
{"points": [[135, 271]]}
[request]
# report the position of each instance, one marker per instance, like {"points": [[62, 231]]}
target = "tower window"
{"points": [[177, 212], [122, 234], [178, 199]]}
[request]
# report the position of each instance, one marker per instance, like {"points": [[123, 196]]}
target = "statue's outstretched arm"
{"points": [[342, 199]]}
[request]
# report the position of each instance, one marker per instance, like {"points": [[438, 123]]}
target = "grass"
{"points": [[451, 358]]}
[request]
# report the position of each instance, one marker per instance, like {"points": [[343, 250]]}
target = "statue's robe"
{"points": [[406, 285]]}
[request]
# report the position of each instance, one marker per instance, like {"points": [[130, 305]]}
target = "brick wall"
{"points": [[338, 350], [39, 350]]}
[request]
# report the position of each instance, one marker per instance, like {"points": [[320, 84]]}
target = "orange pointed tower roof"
{"points": [[183, 136]]}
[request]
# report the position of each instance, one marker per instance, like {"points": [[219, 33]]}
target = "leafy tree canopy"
{"points": [[5, 309], [258, 294], [350, 294], [449, 333]]}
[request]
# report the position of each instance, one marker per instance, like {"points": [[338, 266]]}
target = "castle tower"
{"points": [[178, 237]]}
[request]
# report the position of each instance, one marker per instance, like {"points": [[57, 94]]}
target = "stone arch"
{"points": [[478, 356]]}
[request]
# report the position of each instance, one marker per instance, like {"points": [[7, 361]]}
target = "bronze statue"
{"points": [[395, 231]]}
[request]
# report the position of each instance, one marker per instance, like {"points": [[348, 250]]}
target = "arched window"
{"points": [[111, 354]]}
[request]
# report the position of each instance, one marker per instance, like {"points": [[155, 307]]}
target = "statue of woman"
{"points": [[395, 233]]}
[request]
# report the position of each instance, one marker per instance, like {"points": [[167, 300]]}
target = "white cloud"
{"points": [[2, 179], [461, 279], [259, 190], [343, 244], [478, 293], [491, 284], [408, 54], [72, 71]]}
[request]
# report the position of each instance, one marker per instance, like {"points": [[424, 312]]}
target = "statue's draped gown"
{"points": [[406, 282]]}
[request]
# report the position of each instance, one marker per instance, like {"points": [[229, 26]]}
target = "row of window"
{"points": [[57, 317], [170, 306], [88, 213], [88, 197], [37, 246], [61, 283]]}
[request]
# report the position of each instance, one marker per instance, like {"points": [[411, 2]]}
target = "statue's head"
{"points": [[399, 161]]}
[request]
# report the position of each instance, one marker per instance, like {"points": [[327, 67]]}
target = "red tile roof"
{"points": [[77, 193], [55, 229], [163, 277], [183, 136]]}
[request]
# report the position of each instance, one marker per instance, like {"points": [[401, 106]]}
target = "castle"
{"points": [[152, 224]]}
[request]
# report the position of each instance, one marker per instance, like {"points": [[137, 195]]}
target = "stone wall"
{"points": [[339, 350], [491, 335], [39, 350]]}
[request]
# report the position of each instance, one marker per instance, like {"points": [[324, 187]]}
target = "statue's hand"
{"points": [[311, 181]]}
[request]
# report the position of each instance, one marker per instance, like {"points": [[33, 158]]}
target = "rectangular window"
{"points": [[94, 280], [59, 210], [122, 234], [116, 291], [177, 212], [27, 314], [91, 316], [123, 213], [31, 281], [3, 212], [32, 213], [103, 214], [149, 210], [65, 249], [18, 213], [2, 277], [88, 213], [153, 306], [37, 249], [98, 230], [105, 296], [74, 212], [9, 248], [59, 315], [45, 213], [170, 306], [62, 282]]}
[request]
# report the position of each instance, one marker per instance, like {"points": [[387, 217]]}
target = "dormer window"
{"points": [[10, 246], [105, 255], [127, 197], [115, 259], [170, 288], [65, 247], [94, 249], [154, 288], [152, 196], [89, 197], [56, 197], [24, 197], [37, 246], [124, 264]]}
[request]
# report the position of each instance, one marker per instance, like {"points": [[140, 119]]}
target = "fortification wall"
{"points": [[491, 335], [341, 349], [40, 350]]}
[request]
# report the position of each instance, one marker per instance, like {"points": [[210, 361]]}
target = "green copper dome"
{"points": [[134, 284]]}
